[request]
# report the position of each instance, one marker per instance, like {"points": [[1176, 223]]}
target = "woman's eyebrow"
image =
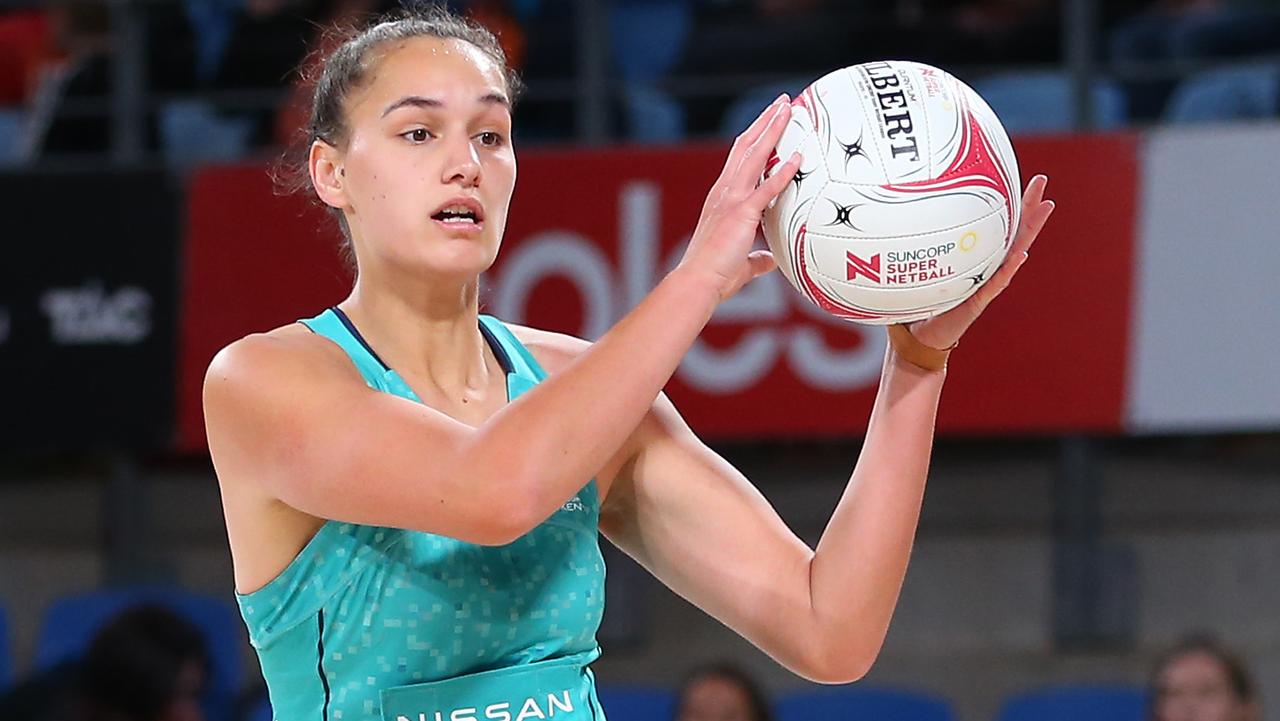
{"points": [[418, 101]]}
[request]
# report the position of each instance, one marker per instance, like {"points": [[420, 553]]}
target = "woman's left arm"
{"points": [[701, 528]]}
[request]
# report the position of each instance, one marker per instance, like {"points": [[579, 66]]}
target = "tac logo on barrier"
{"points": [[89, 315]]}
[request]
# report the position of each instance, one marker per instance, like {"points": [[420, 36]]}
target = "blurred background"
{"points": [[1107, 478]]}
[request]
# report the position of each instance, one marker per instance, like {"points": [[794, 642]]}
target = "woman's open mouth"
{"points": [[461, 215]]}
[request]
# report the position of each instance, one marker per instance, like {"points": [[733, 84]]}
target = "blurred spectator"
{"points": [[265, 42], [732, 40], [70, 94], [774, 36], [1190, 30], [1006, 31], [80, 75], [721, 693], [500, 17], [1200, 680], [24, 47], [147, 664], [57, 61], [291, 119]]}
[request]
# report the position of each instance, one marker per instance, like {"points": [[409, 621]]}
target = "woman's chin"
{"points": [[455, 261]]}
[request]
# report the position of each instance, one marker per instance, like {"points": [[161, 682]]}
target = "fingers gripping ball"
{"points": [[906, 201]]}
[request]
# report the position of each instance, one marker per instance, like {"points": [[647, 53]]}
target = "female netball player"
{"points": [[413, 491]]}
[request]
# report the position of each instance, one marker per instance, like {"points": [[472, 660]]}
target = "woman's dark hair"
{"points": [[134, 664], [347, 68], [1237, 674], [760, 709]]}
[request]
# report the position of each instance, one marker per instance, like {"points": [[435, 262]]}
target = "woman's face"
{"points": [[185, 704], [426, 178], [1195, 687], [713, 698]]}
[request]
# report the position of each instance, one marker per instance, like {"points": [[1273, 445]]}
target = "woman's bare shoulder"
{"points": [[285, 358], [553, 350]]}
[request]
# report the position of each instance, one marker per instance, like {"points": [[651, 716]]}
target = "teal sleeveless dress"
{"points": [[365, 609]]}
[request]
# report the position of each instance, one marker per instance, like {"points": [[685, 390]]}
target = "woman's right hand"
{"points": [[721, 244]]}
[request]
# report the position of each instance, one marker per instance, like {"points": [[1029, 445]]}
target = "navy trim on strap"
{"points": [[324, 680], [523, 362], [351, 328], [495, 345], [499, 351]]}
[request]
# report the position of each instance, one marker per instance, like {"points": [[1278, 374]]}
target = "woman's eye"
{"points": [[418, 135], [490, 138]]}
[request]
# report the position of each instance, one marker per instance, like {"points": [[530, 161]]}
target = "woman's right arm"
{"points": [[325, 444]]}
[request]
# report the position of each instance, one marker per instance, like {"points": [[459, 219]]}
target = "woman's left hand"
{"points": [[944, 331]]}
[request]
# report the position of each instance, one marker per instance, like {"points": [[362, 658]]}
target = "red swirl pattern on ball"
{"points": [[975, 165], [817, 295]]}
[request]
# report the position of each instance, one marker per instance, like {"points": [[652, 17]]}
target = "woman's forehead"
{"points": [[428, 65]]}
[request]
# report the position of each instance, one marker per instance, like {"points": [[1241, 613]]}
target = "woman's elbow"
{"points": [[838, 663], [842, 672], [503, 520]]}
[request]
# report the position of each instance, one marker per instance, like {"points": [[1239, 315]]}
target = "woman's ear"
{"points": [[327, 174]]}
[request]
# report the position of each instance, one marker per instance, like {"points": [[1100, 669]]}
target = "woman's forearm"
{"points": [[567, 427], [857, 571]]}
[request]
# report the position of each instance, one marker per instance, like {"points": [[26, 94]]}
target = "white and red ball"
{"points": [[907, 198]]}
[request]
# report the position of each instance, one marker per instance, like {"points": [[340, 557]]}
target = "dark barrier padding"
{"points": [[87, 310]]}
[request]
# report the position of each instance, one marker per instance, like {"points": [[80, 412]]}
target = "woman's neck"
{"points": [[427, 332]]}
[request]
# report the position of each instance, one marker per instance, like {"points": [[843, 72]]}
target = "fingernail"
{"points": [[779, 99], [796, 158]]}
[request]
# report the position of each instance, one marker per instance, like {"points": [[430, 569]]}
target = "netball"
{"points": [[907, 197]]}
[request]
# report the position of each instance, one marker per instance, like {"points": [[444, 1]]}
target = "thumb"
{"points": [[760, 262]]}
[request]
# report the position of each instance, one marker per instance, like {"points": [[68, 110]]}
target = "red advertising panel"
{"points": [[254, 260], [1051, 354], [592, 231]]}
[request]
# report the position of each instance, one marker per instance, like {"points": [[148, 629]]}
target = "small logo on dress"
{"points": [[574, 504]]}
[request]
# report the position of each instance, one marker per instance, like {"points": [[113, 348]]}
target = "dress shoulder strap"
{"points": [[522, 361], [333, 325]]}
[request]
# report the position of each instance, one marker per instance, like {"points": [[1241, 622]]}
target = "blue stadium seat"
{"points": [[193, 131], [637, 703], [1241, 93], [653, 116], [1072, 703], [70, 623], [748, 106], [862, 704], [1040, 102], [6, 662], [647, 38], [12, 123]]}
